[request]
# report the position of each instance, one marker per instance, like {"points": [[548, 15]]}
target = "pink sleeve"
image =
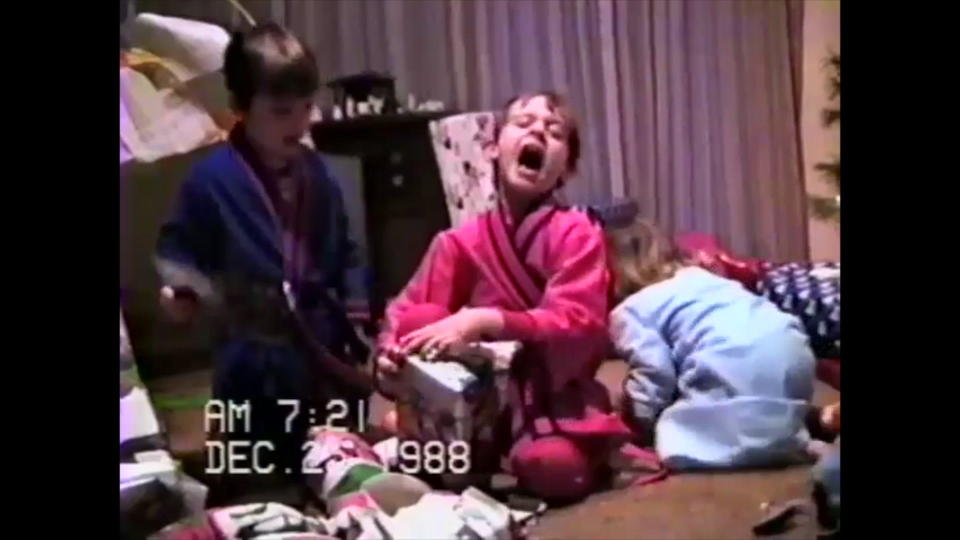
{"points": [[572, 316], [441, 279]]}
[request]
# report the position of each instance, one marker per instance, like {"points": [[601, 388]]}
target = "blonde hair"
{"points": [[641, 256]]}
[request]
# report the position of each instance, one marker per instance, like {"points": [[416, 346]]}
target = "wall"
{"points": [[821, 35]]}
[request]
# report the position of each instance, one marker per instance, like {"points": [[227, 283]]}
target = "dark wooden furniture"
{"points": [[404, 199]]}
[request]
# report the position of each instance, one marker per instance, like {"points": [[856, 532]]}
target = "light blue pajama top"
{"points": [[725, 375]]}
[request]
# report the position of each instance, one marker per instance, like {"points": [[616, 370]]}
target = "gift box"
{"points": [[456, 396]]}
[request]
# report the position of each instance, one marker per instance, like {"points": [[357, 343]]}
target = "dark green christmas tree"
{"points": [[828, 208]]}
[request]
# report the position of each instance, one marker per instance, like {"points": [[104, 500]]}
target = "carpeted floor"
{"points": [[688, 507]]}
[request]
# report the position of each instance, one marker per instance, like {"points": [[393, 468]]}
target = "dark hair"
{"points": [[268, 59], [558, 104]]}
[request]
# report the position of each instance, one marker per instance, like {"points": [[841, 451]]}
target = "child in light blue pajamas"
{"points": [[718, 376]]}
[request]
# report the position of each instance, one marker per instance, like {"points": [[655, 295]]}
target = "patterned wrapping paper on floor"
{"points": [[159, 123], [811, 291], [254, 521]]}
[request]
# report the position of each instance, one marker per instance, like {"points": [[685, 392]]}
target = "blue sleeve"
{"points": [[652, 379], [189, 237]]}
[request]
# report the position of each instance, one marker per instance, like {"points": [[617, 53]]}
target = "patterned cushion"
{"points": [[811, 291], [467, 175]]}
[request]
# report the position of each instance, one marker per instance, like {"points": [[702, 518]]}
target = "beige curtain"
{"points": [[688, 106]]}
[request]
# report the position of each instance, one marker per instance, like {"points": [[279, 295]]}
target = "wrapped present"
{"points": [[456, 397], [172, 96], [347, 473]]}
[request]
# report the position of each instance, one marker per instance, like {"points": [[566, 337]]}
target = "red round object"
{"points": [[553, 468]]}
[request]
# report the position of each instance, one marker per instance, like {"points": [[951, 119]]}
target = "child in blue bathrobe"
{"points": [[259, 231], [718, 376]]}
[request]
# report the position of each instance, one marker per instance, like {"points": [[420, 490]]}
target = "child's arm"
{"points": [[442, 279], [572, 315], [188, 237], [186, 249], [652, 379]]}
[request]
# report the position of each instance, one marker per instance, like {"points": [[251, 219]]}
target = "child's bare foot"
{"points": [[818, 425], [830, 417]]}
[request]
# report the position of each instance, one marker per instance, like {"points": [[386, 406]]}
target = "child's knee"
{"points": [[419, 315], [553, 468]]}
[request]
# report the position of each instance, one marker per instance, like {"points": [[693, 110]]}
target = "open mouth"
{"points": [[531, 158]]}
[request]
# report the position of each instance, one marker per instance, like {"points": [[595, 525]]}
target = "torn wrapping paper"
{"points": [[157, 123], [255, 521], [366, 502], [266, 520], [207, 90], [472, 515], [196, 47], [336, 466], [172, 96], [346, 473], [457, 397]]}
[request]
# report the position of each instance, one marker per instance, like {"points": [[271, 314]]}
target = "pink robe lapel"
{"points": [[507, 251]]}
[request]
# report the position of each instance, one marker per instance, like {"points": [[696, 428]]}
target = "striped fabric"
{"points": [[811, 291]]}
